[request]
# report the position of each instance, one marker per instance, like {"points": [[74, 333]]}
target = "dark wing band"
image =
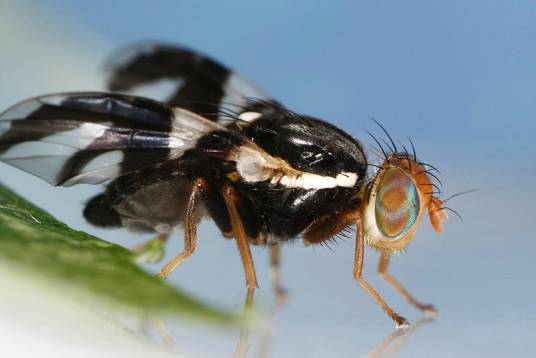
{"points": [[74, 138], [182, 78]]}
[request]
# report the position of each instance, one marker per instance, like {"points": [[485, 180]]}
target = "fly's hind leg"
{"points": [[275, 264], [190, 230], [391, 281]]}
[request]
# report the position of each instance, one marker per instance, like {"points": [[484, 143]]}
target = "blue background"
{"points": [[458, 77]]}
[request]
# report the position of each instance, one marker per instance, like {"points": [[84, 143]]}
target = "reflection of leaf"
{"points": [[32, 239]]}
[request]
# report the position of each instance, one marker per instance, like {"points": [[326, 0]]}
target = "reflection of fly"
{"points": [[264, 174]]}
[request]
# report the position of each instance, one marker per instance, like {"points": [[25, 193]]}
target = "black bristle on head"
{"points": [[413, 149], [430, 166], [435, 177], [378, 143], [394, 149]]}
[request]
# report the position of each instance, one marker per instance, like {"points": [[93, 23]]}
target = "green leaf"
{"points": [[82, 265]]}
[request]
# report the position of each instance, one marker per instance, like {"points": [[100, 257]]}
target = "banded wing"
{"points": [[184, 78], [75, 138]]}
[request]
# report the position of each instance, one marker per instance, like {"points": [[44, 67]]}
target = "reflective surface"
{"points": [[459, 79]]}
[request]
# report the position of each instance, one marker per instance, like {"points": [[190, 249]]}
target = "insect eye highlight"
{"points": [[397, 203]]}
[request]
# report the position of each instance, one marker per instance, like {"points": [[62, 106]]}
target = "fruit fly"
{"points": [[216, 146]]}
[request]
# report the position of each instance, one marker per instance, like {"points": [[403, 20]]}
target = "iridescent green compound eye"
{"points": [[397, 203]]}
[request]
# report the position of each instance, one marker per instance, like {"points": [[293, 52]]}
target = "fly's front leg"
{"points": [[391, 281], [190, 230], [400, 321]]}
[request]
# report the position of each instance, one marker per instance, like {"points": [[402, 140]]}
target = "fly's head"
{"points": [[395, 200]]}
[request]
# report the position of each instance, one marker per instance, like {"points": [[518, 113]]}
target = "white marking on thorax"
{"points": [[255, 166], [346, 179], [249, 116]]}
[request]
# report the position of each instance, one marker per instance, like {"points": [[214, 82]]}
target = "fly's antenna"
{"points": [[452, 211]]}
